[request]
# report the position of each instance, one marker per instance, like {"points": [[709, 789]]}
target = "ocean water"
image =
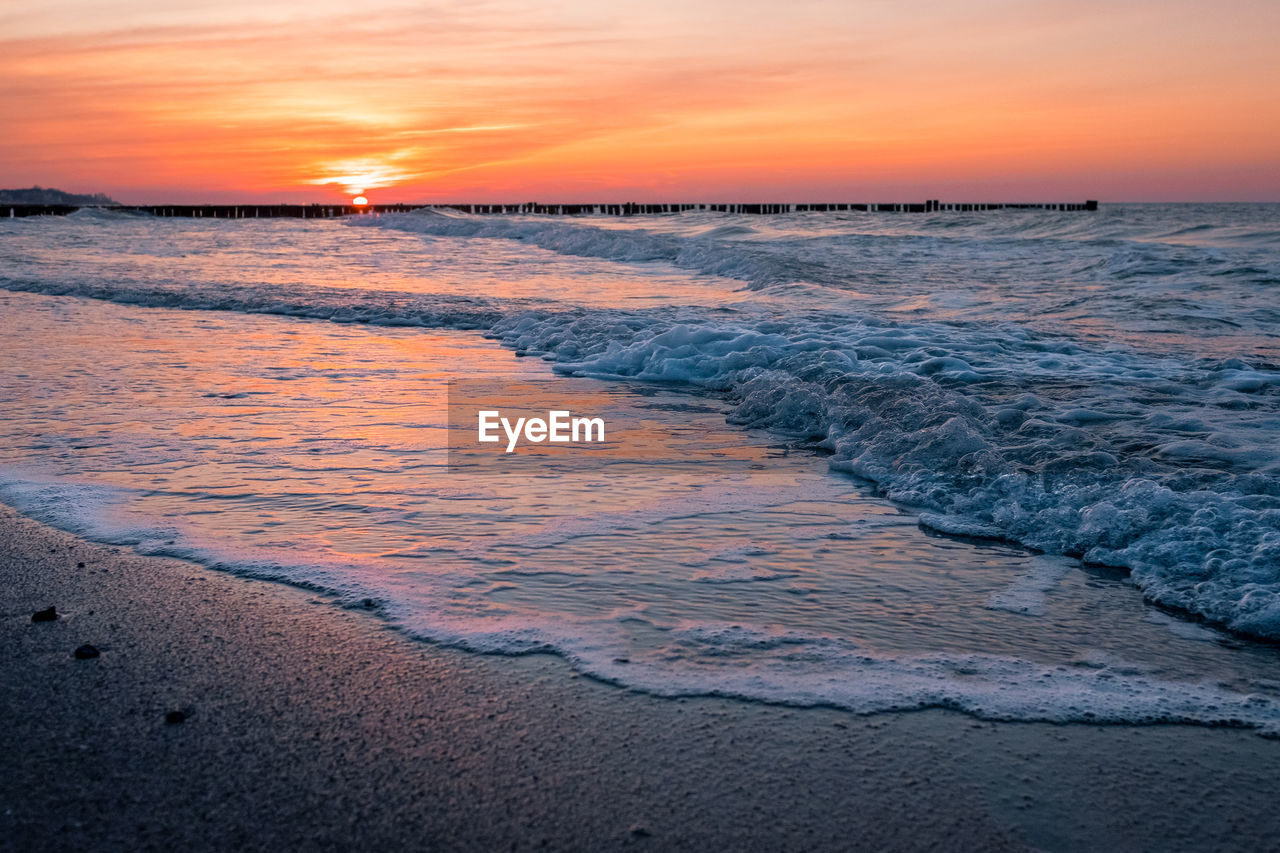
{"points": [[1022, 464]]}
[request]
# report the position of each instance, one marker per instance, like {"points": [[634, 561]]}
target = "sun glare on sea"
{"points": [[359, 201]]}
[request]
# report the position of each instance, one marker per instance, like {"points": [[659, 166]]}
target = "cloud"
{"points": [[452, 98]]}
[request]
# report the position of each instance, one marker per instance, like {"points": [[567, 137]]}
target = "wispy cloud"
{"points": [[453, 99]]}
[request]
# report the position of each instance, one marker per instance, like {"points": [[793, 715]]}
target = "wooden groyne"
{"points": [[329, 211]]}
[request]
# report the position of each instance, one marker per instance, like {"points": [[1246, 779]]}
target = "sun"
{"points": [[359, 201]]}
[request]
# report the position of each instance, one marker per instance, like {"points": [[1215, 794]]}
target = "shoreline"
{"points": [[313, 727]]}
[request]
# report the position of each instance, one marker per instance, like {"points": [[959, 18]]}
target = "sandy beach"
{"points": [[312, 727]]}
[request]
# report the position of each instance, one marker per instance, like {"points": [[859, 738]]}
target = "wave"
{"points": [[375, 307], [1168, 470], [1166, 467], [696, 658], [704, 253], [105, 214], [851, 251]]}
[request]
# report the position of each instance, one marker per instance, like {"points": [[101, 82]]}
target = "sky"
{"points": [[662, 100]]}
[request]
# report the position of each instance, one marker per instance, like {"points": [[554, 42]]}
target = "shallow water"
{"points": [[723, 552]]}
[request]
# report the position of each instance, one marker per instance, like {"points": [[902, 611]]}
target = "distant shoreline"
{"points": [[47, 196]]}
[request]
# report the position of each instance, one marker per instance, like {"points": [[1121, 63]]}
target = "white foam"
{"points": [[685, 658], [799, 669], [1197, 522]]}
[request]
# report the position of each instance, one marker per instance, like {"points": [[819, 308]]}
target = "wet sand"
{"points": [[311, 727]]}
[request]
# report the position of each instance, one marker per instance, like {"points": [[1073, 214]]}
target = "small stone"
{"points": [[49, 614], [79, 565], [368, 603], [639, 831], [175, 717], [86, 652]]}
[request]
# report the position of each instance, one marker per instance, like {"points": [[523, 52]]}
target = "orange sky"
{"points": [[672, 100]]}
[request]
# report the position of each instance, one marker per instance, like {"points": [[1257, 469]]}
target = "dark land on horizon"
{"points": [[38, 195]]}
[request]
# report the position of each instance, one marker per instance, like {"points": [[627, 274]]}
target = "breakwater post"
{"points": [[330, 211]]}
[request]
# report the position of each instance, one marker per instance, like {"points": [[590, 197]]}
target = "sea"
{"points": [[1021, 464]]}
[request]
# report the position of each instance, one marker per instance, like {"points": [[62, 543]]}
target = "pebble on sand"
{"points": [[86, 652], [175, 717], [49, 614]]}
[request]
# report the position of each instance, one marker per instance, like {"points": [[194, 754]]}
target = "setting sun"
{"points": [[359, 201]]}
